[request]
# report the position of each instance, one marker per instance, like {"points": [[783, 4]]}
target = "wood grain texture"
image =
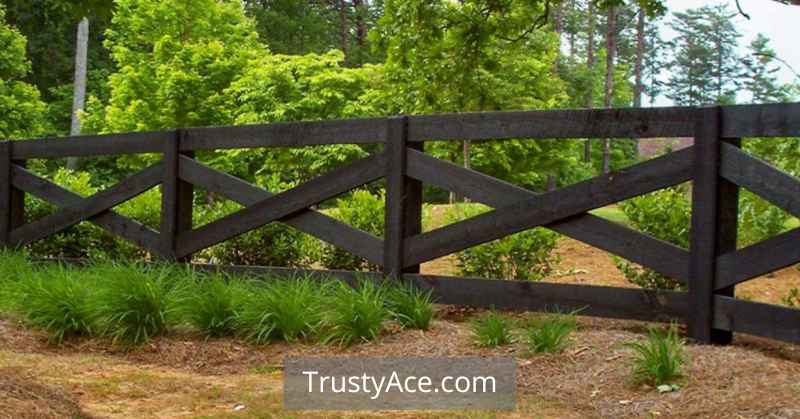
{"points": [[128, 229], [88, 207], [771, 120], [767, 320], [735, 267], [283, 204], [91, 145], [761, 178], [177, 198], [287, 134], [573, 123], [395, 214], [321, 226], [663, 257], [553, 206]]}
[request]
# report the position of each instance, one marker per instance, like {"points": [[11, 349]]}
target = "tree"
{"points": [[175, 58], [759, 73], [21, 109], [79, 95]]}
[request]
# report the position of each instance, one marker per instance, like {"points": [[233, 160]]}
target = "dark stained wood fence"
{"points": [[715, 164]]}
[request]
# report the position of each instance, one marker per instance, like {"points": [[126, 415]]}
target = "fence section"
{"points": [[710, 269]]}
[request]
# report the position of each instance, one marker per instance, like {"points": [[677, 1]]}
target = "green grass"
{"points": [[282, 310], [550, 333], [135, 303], [658, 360], [212, 303], [410, 306], [612, 213], [53, 298], [355, 314], [492, 329]]}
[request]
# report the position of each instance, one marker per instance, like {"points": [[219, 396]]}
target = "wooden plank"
{"points": [[775, 253], [704, 224], [91, 145], [663, 257], [553, 206], [772, 120], [329, 229], [573, 123], [177, 198], [761, 178], [283, 204], [395, 222], [767, 320], [412, 207], [5, 192], [126, 228], [287, 134], [88, 207]]}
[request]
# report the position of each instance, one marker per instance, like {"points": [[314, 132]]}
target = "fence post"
{"points": [[176, 198], [12, 201], [403, 199], [714, 211]]}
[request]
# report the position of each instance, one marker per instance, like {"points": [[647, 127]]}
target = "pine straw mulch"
{"points": [[21, 396], [751, 378]]}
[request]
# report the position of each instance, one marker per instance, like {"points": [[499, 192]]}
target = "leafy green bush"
{"points": [[282, 310], [551, 333], [665, 215], [525, 255], [362, 210], [492, 329], [758, 219], [135, 303], [659, 360], [355, 314], [275, 244], [58, 301], [213, 303], [410, 306]]}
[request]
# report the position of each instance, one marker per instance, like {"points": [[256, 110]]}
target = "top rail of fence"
{"points": [[773, 120]]}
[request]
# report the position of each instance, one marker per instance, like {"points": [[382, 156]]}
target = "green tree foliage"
{"points": [[759, 73], [174, 60], [21, 109]]}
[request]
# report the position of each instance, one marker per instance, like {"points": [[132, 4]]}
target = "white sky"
{"points": [[779, 22]]}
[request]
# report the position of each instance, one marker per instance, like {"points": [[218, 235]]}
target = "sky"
{"points": [[780, 23]]}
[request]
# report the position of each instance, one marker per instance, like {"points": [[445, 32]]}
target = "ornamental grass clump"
{"points": [[355, 314], [410, 306], [492, 329], [550, 334], [280, 309], [213, 303], [659, 360]]}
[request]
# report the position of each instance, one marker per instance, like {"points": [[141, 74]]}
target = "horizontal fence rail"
{"points": [[709, 270]]}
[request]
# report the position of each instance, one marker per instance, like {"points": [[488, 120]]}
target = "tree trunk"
{"points": [[361, 27], [343, 29], [79, 90], [558, 27], [467, 150], [639, 87], [611, 47], [587, 146]]}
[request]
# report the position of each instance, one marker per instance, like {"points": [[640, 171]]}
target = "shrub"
{"points": [[362, 210], [282, 309], [758, 219], [57, 300], [492, 329], [274, 244], [355, 314], [525, 255], [135, 303], [665, 215], [410, 306], [14, 266], [213, 304], [659, 360], [550, 334]]}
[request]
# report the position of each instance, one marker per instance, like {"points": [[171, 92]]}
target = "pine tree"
{"points": [[759, 73]]}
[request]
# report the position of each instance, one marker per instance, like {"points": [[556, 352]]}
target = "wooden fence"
{"points": [[715, 165]]}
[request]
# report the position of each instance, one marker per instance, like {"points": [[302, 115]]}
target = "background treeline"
{"points": [[163, 64]]}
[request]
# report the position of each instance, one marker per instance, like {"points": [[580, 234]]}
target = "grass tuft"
{"points": [[135, 303], [355, 314], [410, 306], [492, 329], [282, 310], [213, 302], [56, 299], [550, 334], [658, 360]]}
